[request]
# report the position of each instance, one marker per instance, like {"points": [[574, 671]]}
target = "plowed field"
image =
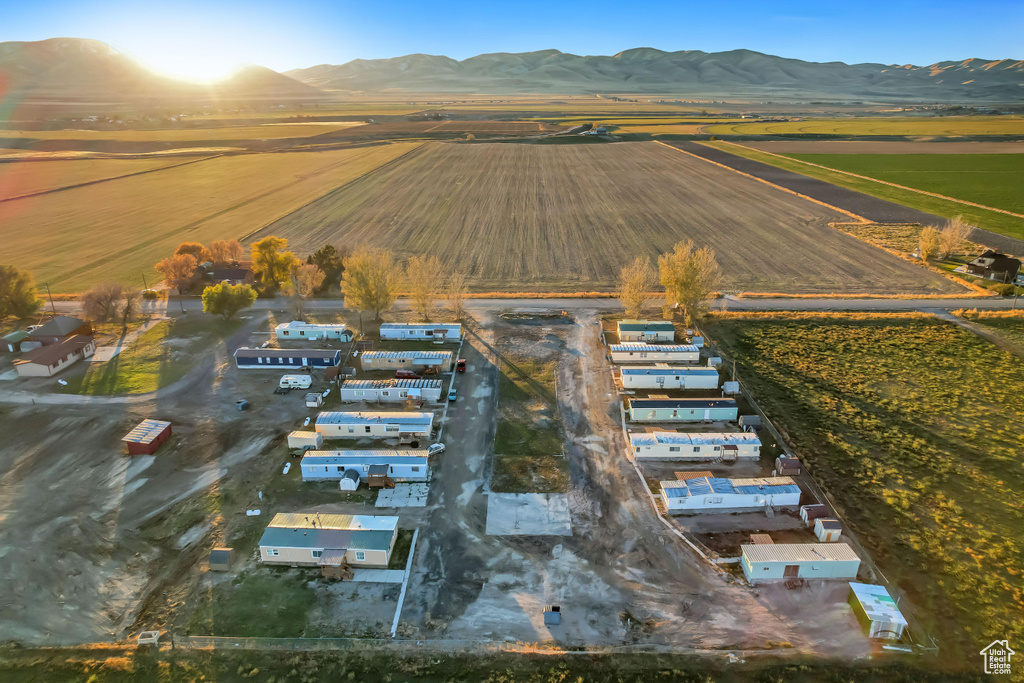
{"points": [[536, 217]]}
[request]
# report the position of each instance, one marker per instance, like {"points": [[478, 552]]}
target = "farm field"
{"points": [[899, 125], [883, 147], [912, 423], [26, 177], [261, 132], [567, 217], [117, 230]]}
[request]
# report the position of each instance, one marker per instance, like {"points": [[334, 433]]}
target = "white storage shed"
{"points": [[349, 481], [713, 494], [782, 561], [696, 446], [877, 612], [391, 390], [663, 376], [333, 465], [432, 331], [827, 530], [388, 425], [306, 440], [637, 352]]}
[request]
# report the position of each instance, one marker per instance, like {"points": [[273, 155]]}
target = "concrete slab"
{"points": [[528, 514], [404, 496], [378, 575], [9, 375], [105, 353]]}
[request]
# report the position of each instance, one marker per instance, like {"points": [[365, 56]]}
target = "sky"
{"points": [[208, 39]]}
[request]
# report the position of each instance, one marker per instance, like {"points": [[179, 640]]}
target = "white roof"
{"points": [[300, 325], [693, 438], [303, 435], [641, 346], [413, 355], [367, 457], [421, 326], [340, 418], [877, 603], [799, 552], [315, 520]]}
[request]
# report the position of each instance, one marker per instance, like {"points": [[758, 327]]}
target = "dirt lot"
{"points": [[874, 147], [569, 216]]}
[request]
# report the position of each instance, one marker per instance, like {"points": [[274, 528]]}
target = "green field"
{"points": [[994, 180], [896, 125], [989, 220], [914, 425]]}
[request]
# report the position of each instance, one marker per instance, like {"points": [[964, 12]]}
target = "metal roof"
{"points": [[287, 353], [392, 384], [16, 336], [799, 552], [146, 431], [300, 325], [339, 539], [320, 520], [641, 325], [640, 346], [693, 438], [877, 603], [420, 326], [299, 434], [399, 355], [705, 486], [374, 457], [687, 403], [668, 370], [344, 418], [57, 327]]}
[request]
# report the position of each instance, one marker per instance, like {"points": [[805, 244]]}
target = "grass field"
{"points": [[990, 220], [117, 230], [261, 132], [899, 125], [913, 424], [26, 177], [566, 218]]}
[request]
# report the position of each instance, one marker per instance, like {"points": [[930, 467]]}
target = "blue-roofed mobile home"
{"points": [[282, 359], [713, 494], [646, 331]]}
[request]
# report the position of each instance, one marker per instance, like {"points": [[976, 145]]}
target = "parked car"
{"points": [[461, 365], [406, 374], [451, 395], [435, 448]]}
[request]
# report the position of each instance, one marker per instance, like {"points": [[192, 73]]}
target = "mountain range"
{"points": [[76, 69]]}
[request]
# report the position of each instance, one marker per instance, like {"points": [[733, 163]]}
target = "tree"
{"points": [[929, 243], [178, 271], [423, 280], [370, 279], [689, 276], [455, 294], [306, 279], [223, 252], [17, 294], [130, 306], [635, 281], [109, 302], [196, 249], [953, 235], [272, 265], [331, 261], [227, 300]]}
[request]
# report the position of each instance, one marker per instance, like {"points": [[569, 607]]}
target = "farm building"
{"points": [[147, 437], [332, 542], [306, 440], [47, 361], [994, 266], [786, 466], [876, 611], [277, 359], [827, 530], [662, 376], [391, 390], [12, 342], [695, 445], [782, 561], [714, 494], [431, 331], [681, 409], [342, 425], [406, 360], [58, 329], [646, 331], [297, 329], [332, 465], [636, 352], [809, 513]]}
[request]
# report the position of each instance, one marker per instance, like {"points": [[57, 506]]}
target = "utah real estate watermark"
{"points": [[997, 657]]}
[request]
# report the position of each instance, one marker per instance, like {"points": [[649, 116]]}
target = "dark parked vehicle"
{"points": [[461, 365], [406, 374]]}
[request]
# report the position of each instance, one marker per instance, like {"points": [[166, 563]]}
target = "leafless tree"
{"points": [[455, 294], [306, 279], [423, 280]]}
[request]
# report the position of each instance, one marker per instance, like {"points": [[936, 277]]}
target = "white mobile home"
{"points": [[416, 361], [391, 390], [646, 331], [636, 352], [695, 446], [431, 331], [311, 539], [663, 376], [332, 465], [713, 494], [876, 611], [386, 425], [306, 440], [681, 409], [297, 329], [782, 561]]}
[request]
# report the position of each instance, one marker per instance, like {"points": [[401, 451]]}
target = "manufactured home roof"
{"points": [[420, 326], [57, 327], [668, 370], [392, 384], [326, 538], [705, 486], [877, 603], [688, 403], [343, 418], [368, 457], [300, 325], [146, 431], [319, 520], [48, 355], [406, 355], [303, 435], [693, 438], [642, 325], [640, 346], [799, 552], [287, 353]]}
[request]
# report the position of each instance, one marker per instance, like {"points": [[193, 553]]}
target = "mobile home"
{"points": [[391, 390], [681, 409], [637, 352], [406, 360], [279, 359], [877, 612], [645, 331], [782, 561], [297, 330], [662, 376], [431, 331], [311, 539], [696, 446], [387, 425], [714, 494], [332, 465]]}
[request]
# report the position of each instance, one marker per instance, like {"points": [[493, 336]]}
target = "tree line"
{"points": [[689, 275]]}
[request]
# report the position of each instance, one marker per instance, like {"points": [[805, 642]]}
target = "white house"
{"points": [[328, 541], [432, 331], [696, 446], [391, 390], [637, 352], [416, 361], [663, 376], [714, 494], [332, 465], [297, 329], [646, 331], [394, 425], [781, 561]]}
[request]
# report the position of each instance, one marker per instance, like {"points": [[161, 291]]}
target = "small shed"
{"points": [[731, 388], [698, 342], [12, 341], [349, 480], [314, 400], [827, 530], [377, 477], [147, 437], [306, 440], [876, 611], [786, 466], [809, 513], [221, 559], [761, 539], [750, 422]]}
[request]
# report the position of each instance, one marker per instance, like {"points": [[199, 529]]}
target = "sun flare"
{"points": [[194, 67]]}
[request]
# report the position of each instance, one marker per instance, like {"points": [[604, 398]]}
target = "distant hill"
{"points": [[647, 70], [77, 69]]}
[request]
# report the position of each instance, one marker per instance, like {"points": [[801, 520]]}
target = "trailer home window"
{"points": [[317, 554], [360, 556], [673, 449], [272, 552]]}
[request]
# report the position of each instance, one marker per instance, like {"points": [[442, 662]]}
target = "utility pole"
{"points": [[144, 283], [50, 296]]}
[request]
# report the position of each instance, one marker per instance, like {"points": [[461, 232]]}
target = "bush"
{"points": [[1002, 289], [150, 294]]}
